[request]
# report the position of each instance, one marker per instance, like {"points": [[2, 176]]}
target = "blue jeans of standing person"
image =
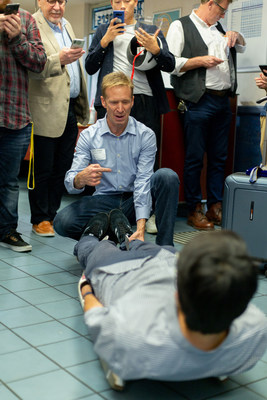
{"points": [[207, 127], [13, 147], [72, 220]]}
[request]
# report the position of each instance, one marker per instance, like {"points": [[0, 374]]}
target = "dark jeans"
{"points": [[13, 147], [206, 126], [72, 220], [144, 110], [52, 159]]}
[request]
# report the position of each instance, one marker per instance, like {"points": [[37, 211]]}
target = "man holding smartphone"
{"points": [[21, 51], [261, 81], [58, 99], [108, 53]]}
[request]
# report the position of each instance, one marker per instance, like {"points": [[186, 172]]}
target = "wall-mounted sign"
{"points": [[103, 15], [165, 18]]}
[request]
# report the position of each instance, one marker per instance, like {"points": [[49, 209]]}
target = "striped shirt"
{"points": [[17, 56], [130, 156], [137, 331]]}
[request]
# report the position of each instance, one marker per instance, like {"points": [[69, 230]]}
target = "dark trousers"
{"points": [[144, 110], [13, 147], [206, 126], [52, 158], [72, 220]]}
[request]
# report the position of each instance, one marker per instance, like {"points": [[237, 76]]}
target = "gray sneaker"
{"points": [[14, 242]]}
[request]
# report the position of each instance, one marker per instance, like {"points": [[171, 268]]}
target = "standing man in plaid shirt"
{"points": [[21, 50]]}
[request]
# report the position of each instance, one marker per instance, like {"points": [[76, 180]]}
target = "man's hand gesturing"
{"points": [[90, 176]]}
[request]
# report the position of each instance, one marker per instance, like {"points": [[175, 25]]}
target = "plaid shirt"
{"points": [[22, 53]]}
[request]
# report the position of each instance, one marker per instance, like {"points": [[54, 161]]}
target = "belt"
{"points": [[126, 195], [73, 100], [220, 93]]}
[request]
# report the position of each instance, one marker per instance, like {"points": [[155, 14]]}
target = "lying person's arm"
{"points": [[90, 301]]}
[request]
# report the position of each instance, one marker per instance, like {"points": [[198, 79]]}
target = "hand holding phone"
{"points": [[263, 67], [119, 15], [11, 8], [77, 44]]}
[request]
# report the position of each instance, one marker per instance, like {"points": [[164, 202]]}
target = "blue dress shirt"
{"points": [[130, 156]]}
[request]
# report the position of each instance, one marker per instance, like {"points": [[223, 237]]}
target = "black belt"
{"points": [[220, 93], [126, 195], [73, 100]]}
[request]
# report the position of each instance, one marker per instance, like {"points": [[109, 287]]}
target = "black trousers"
{"points": [[52, 159], [145, 111]]}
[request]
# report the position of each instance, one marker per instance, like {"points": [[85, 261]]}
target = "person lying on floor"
{"points": [[152, 314]]}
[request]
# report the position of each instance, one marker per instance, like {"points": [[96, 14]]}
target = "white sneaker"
{"points": [[114, 380], [80, 284], [151, 224]]}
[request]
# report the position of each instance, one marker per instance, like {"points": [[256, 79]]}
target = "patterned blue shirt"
{"points": [[137, 330], [130, 156]]}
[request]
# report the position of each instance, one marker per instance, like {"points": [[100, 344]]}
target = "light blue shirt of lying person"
{"points": [[130, 156]]}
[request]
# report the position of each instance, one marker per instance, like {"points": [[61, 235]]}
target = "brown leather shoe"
{"points": [[44, 228], [214, 213], [198, 220]]}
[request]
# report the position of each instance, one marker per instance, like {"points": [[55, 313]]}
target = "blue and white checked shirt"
{"points": [[137, 331], [131, 157]]}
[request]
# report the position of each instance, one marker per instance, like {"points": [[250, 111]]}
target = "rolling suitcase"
{"points": [[245, 211]]}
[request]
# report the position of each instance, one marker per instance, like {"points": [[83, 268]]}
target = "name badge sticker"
{"points": [[99, 154]]}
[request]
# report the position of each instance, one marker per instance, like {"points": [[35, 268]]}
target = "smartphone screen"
{"points": [[11, 8], [77, 43]]}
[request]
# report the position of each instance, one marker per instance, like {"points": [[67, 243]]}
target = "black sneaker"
{"points": [[119, 225], [97, 226], [14, 242]]}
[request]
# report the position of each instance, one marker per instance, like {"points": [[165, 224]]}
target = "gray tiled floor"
{"points": [[45, 350]]}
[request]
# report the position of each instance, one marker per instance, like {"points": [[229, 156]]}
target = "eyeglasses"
{"points": [[222, 10], [60, 2]]}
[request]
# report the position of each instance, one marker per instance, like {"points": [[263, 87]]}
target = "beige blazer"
{"points": [[49, 91]]}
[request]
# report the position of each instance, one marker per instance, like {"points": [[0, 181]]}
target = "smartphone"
{"points": [[11, 8], [77, 44], [119, 14], [262, 67]]}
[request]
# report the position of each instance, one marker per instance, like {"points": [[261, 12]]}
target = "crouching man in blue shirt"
{"points": [[153, 315], [116, 155]]}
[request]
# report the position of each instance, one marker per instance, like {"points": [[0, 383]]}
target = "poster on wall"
{"points": [[103, 15], [249, 18], [163, 19]]}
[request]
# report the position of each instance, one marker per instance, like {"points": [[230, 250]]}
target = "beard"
{"points": [[3, 5]]}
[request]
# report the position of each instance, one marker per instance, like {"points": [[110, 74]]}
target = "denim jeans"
{"points": [[13, 147], [72, 220], [207, 127]]}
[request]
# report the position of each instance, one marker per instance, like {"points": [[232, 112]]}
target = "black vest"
{"points": [[192, 85]]}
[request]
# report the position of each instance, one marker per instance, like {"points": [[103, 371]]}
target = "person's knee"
{"points": [[57, 224], [61, 223], [167, 178]]}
